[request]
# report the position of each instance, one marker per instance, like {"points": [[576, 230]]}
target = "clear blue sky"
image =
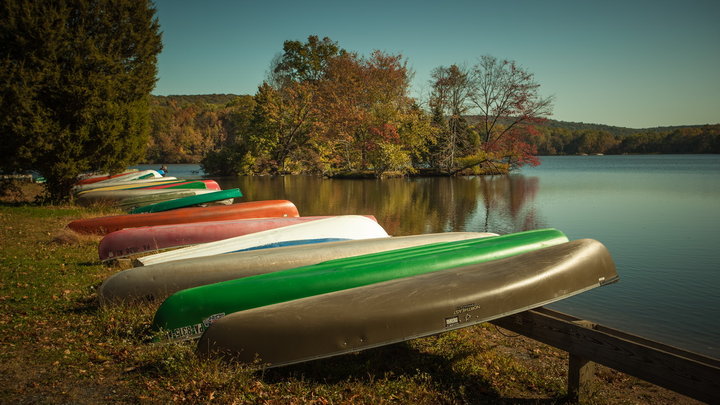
{"points": [[628, 63]]}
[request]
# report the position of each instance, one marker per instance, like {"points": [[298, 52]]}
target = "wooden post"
{"points": [[580, 374]]}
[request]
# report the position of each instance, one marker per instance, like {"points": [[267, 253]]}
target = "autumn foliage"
{"points": [[327, 111], [324, 110]]}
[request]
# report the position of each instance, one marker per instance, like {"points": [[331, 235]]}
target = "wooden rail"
{"points": [[684, 372]]}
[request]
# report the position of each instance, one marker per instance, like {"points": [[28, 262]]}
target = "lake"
{"points": [[659, 215]]}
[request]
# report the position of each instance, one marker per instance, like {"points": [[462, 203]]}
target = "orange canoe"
{"points": [[253, 209]]}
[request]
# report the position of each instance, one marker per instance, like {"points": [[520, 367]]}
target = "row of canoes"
{"points": [[149, 191], [256, 280]]}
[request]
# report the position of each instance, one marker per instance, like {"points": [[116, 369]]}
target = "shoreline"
{"points": [[63, 347]]}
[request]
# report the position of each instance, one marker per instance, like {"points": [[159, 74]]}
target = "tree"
{"points": [[449, 102], [228, 154], [75, 79], [302, 62], [507, 99], [282, 123], [369, 117]]}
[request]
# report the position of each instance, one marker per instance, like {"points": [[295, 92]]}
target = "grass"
{"points": [[60, 346]]}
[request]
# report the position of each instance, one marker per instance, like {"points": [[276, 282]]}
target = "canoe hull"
{"points": [[147, 239], [253, 209], [124, 176], [91, 178], [338, 228], [155, 180], [189, 309], [115, 196], [157, 281], [394, 311], [204, 198]]}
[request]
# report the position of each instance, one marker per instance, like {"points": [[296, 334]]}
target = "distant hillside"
{"points": [[613, 130], [580, 126], [199, 99], [224, 99]]}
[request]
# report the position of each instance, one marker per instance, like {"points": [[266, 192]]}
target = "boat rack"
{"points": [[684, 372]]}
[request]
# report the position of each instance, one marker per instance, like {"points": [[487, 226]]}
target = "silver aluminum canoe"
{"points": [[394, 311], [158, 281]]}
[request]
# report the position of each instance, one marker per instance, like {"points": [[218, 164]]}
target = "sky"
{"points": [[628, 63]]}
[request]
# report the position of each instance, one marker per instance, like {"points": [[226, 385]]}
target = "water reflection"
{"points": [[402, 206]]}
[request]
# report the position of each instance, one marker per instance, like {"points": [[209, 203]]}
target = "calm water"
{"points": [[658, 215]]}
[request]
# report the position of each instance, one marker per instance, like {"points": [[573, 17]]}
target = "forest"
{"points": [[327, 111], [186, 129]]}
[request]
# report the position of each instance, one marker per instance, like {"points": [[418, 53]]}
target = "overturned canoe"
{"points": [[90, 178], [206, 184], [161, 183], [128, 175], [253, 209], [186, 313], [334, 228], [130, 203], [226, 196], [115, 196], [398, 310], [154, 181], [152, 238], [157, 281]]}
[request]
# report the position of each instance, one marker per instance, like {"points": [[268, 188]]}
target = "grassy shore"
{"points": [[60, 346]]}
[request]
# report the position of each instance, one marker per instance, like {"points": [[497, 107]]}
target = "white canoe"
{"points": [[158, 281], [336, 228]]}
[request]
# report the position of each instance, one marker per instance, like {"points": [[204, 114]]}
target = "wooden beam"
{"points": [[580, 374], [681, 371]]}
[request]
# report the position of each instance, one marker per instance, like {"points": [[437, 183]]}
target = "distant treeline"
{"points": [[186, 128], [556, 139]]}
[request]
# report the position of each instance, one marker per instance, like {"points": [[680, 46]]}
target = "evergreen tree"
{"points": [[75, 80]]}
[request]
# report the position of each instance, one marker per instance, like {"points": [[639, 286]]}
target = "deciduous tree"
{"points": [[450, 103], [302, 62], [508, 101]]}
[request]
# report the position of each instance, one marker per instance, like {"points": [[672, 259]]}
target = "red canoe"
{"points": [[149, 238], [254, 209]]}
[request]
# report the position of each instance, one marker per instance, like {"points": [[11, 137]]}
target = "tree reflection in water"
{"points": [[407, 206]]}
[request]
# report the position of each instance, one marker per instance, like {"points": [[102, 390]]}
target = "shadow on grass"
{"points": [[395, 362], [85, 306]]}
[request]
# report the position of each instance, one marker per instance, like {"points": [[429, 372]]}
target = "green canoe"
{"points": [[188, 201], [187, 313], [129, 203]]}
